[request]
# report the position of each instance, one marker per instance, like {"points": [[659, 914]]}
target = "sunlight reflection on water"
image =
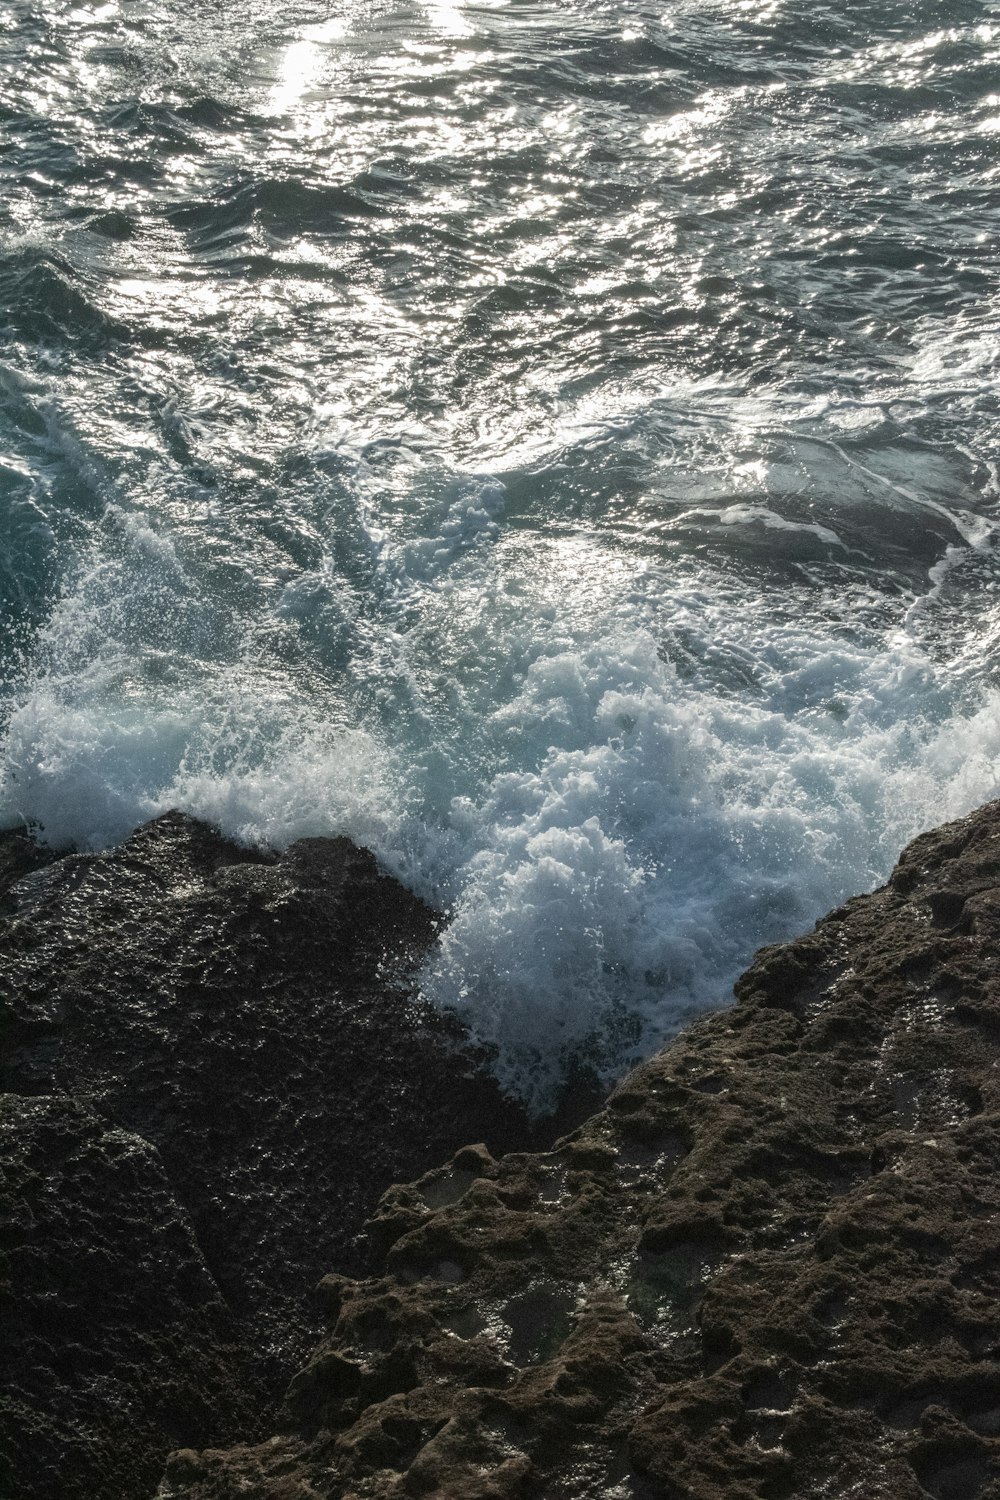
{"points": [[554, 444]]}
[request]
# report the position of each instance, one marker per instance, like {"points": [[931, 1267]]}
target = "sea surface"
{"points": [[554, 444]]}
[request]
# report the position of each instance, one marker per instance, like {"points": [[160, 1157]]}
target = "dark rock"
{"points": [[19, 855], [215, 1066], [768, 1269], [116, 1338]]}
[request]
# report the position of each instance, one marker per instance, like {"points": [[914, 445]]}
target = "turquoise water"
{"points": [[554, 444]]}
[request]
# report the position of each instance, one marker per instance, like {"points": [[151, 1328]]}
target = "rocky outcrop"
{"points": [[211, 1065], [117, 1340], [768, 1269]]}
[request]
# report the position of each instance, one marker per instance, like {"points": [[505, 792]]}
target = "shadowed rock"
{"points": [[213, 1066], [116, 1337], [768, 1269]]}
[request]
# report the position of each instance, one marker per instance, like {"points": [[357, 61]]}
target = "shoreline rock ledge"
{"points": [[211, 1066], [767, 1269]]}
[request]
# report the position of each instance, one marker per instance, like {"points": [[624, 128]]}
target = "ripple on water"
{"points": [[556, 449]]}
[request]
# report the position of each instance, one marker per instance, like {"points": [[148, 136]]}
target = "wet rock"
{"points": [[767, 1269], [213, 1066], [116, 1338]]}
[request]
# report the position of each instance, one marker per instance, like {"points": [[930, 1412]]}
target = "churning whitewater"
{"points": [[554, 444]]}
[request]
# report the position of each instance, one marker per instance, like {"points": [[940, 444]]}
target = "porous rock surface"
{"points": [[211, 1065], [769, 1267], [116, 1340]]}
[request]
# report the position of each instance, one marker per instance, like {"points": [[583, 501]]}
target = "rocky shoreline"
{"points": [[767, 1268], [211, 1066]]}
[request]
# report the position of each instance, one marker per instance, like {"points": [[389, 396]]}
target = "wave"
{"points": [[557, 451], [611, 840]]}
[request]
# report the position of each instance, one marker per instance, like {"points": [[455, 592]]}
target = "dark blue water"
{"points": [[555, 444]]}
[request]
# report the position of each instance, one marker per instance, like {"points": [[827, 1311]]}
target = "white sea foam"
{"points": [[631, 835], [623, 884], [492, 438]]}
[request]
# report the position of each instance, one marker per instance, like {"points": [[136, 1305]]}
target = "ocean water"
{"points": [[554, 444]]}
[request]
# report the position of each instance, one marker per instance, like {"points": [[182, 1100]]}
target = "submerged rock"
{"points": [[212, 1066], [769, 1267]]}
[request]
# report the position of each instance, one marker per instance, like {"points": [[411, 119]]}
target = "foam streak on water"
{"points": [[554, 444]]}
